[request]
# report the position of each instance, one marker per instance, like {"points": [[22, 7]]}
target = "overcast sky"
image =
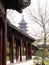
{"points": [[15, 17]]}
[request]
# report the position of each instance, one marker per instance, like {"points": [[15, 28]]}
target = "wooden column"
{"points": [[1, 47], [21, 50], [12, 49], [26, 50], [17, 51], [30, 50], [4, 41]]}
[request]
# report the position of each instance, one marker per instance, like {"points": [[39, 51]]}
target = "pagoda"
{"points": [[23, 25]]}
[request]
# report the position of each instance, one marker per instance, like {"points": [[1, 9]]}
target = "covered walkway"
{"points": [[13, 41]]}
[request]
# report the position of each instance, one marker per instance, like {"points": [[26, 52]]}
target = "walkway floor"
{"points": [[24, 62], [28, 62]]}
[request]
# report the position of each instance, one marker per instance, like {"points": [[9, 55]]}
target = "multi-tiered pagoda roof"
{"points": [[23, 24]]}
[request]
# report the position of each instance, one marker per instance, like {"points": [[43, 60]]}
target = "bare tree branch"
{"points": [[35, 35], [46, 12], [47, 21], [47, 36], [41, 14], [36, 19]]}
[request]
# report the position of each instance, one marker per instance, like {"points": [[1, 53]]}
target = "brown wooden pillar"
{"points": [[4, 41], [12, 49], [1, 47], [21, 50], [17, 50], [26, 50], [30, 51]]}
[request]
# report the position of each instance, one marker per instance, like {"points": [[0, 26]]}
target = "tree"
{"points": [[41, 17], [40, 53]]}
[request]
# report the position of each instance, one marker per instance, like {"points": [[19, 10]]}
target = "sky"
{"points": [[15, 17]]}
